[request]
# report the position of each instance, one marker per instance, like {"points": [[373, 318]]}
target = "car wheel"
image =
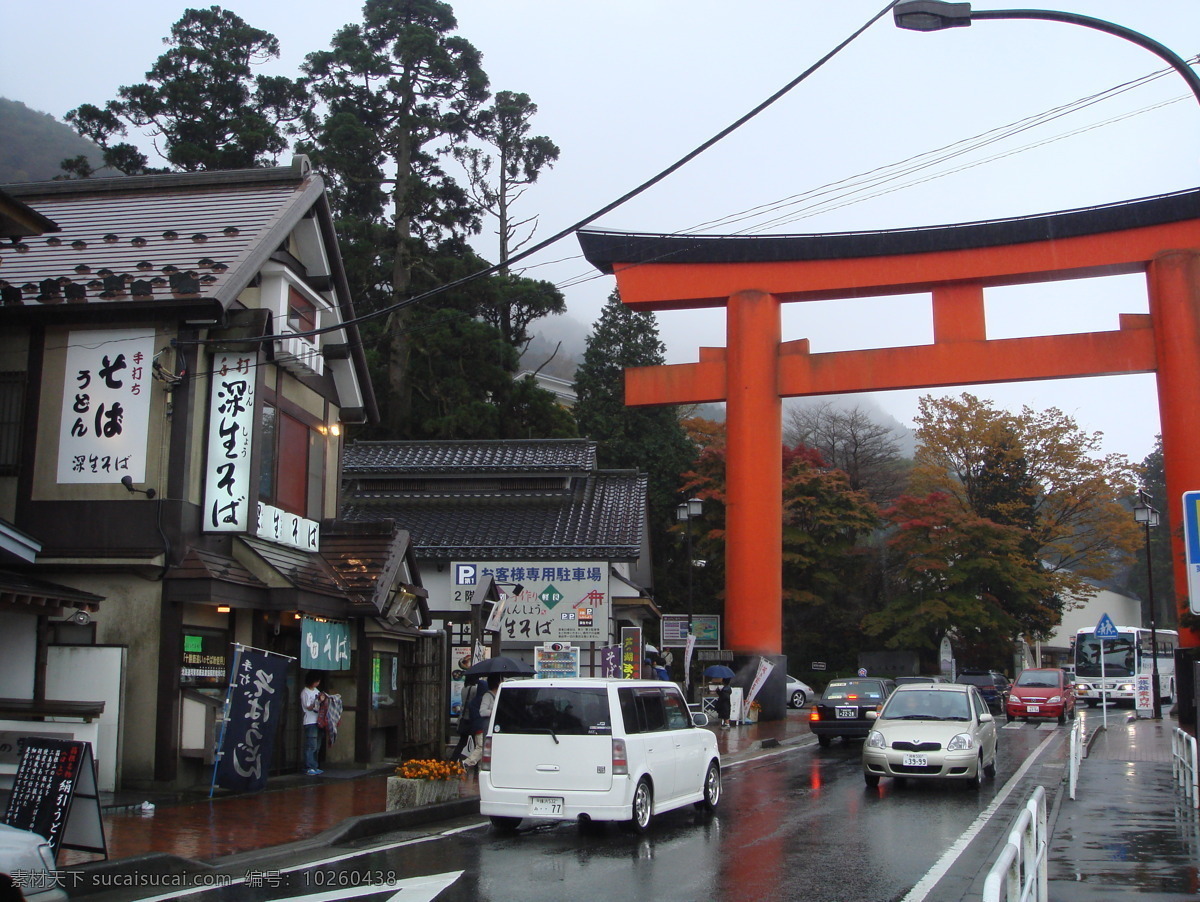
{"points": [[1062, 716], [975, 781], [870, 778], [643, 806], [1073, 711], [823, 741], [505, 824], [989, 770], [1009, 717], [799, 698], [712, 789], [1093, 704]]}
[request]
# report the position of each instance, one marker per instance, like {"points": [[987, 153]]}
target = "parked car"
{"points": [[1041, 692], [935, 730], [28, 859], [843, 707], [901, 680], [596, 750], [798, 692], [992, 685]]}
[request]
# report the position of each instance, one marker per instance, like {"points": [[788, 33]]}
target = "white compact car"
{"points": [[939, 730], [28, 859], [595, 749]]}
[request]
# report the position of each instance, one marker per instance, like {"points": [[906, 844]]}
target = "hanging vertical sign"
{"points": [[228, 482], [253, 709], [105, 406], [631, 652]]}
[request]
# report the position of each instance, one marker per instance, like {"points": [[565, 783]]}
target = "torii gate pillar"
{"points": [[753, 475]]}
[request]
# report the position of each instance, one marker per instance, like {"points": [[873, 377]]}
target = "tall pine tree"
{"points": [[646, 438]]}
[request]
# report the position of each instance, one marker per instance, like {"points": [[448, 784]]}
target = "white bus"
{"points": [[1124, 658]]}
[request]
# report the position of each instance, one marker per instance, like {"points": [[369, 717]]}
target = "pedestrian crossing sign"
{"points": [[1106, 629], [1191, 547]]}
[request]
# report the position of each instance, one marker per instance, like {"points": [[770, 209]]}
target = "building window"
{"points": [[302, 313], [385, 679], [287, 459], [12, 408]]}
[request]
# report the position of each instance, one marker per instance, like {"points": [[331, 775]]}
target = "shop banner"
{"points": [[765, 666], [230, 487], [631, 652], [253, 708], [325, 645]]}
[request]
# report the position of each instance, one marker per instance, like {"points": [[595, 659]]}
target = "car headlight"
{"points": [[1085, 687], [875, 740], [961, 743], [1057, 700], [1125, 687]]}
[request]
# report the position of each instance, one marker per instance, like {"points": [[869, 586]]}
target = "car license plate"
{"points": [[847, 713], [916, 761], [1033, 709], [545, 806]]}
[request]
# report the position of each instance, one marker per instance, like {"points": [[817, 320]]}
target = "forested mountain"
{"points": [[34, 144]]}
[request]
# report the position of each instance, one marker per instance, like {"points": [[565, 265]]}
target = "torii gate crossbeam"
{"points": [[752, 277]]}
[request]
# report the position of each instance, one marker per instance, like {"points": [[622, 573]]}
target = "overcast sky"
{"points": [[626, 87]]}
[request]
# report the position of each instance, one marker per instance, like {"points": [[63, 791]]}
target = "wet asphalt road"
{"points": [[800, 824]]}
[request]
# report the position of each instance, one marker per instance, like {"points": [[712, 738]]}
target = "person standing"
{"points": [[310, 702], [466, 721], [724, 693], [483, 704]]}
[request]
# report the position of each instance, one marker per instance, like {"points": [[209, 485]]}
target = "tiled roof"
{"points": [[200, 563], [182, 238], [601, 517], [367, 557], [526, 456]]}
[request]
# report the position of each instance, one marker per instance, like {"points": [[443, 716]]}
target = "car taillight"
{"points": [[814, 714], [620, 760], [485, 763]]}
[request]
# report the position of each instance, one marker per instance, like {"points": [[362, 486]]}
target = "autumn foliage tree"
{"points": [[825, 568], [1034, 485]]}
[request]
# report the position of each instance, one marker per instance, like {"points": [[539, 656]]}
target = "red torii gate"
{"points": [[751, 277]]}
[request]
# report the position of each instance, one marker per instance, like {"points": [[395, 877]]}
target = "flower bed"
{"points": [[423, 782]]}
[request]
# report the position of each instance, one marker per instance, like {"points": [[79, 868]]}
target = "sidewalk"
{"points": [[1129, 831], [335, 807]]}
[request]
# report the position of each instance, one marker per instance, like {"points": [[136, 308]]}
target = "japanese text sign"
{"points": [[230, 492], [106, 406], [559, 601], [325, 645], [255, 706]]}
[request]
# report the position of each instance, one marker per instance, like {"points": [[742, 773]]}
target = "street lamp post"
{"points": [[686, 512], [1145, 514], [935, 15]]}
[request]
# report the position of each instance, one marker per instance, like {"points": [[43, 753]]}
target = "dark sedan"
{"points": [[842, 708]]}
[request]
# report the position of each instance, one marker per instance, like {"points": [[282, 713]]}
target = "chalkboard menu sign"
{"points": [[52, 775]]}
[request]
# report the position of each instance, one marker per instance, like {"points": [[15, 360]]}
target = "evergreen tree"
{"points": [[646, 438], [399, 89], [202, 100]]}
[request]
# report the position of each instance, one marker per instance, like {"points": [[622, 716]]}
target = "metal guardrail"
{"points": [[1075, 758], [1183, 765], [1021, 873]]}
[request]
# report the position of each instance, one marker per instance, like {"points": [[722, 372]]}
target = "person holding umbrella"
{"points": [[723, 675], [481, 706]]}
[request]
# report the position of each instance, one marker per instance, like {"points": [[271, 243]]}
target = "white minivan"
{"points": [[595, 749]]}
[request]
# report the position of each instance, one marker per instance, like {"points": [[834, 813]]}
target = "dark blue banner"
{"points": [[254, 707]]}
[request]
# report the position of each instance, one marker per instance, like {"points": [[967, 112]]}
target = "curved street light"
{"points": [[935, 15]]}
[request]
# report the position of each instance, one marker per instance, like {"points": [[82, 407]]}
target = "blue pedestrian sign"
{"points": [[1106, 629], [1191, 546]]}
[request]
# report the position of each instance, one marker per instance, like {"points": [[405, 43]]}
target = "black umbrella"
{"points": [[501, 665], [716, 670]]}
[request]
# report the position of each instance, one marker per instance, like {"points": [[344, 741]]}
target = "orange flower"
{"points": [[429, 769]]}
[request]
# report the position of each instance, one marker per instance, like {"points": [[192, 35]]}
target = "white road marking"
{"points": [[951, 855]]}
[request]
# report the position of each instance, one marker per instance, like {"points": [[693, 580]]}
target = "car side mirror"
{"points": [[872, 715], [699, 719], [986, 717]]}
